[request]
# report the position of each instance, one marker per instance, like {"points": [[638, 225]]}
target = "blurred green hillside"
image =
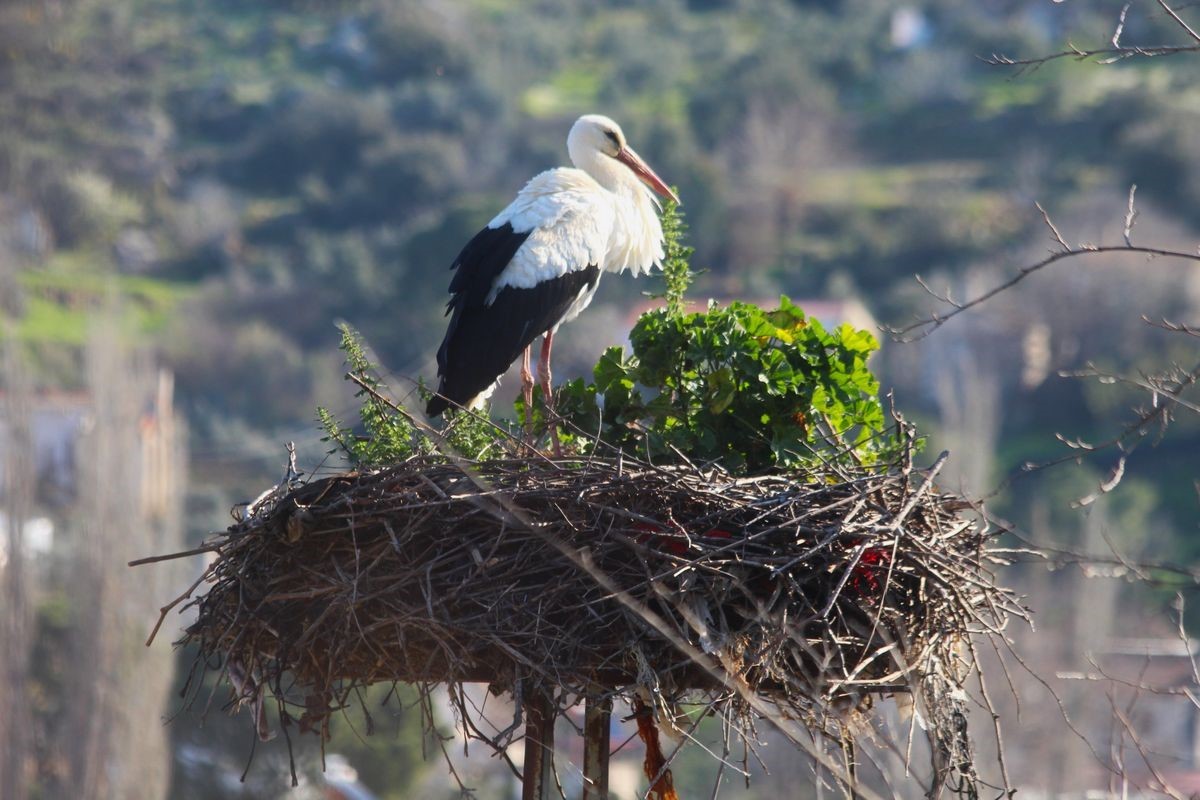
{"points": [[267, 168], [235, 177], [245, 174]]}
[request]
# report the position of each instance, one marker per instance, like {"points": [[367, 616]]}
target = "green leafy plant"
{"points": [[473, 435], [677, 258], [750, 388], [387, 436]]}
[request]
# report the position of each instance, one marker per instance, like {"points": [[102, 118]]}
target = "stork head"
{"points": [[597, 140]]}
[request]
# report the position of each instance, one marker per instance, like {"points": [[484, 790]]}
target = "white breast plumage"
{"points": [[570, 220], [636, 243]]}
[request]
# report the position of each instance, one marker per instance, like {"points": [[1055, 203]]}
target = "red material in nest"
{"points": [[657, 536], [865, 578]]}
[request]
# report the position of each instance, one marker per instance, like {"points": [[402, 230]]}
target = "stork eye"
{"points": [[612, 137]]}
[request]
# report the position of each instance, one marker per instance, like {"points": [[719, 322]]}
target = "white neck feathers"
{"points": [[636, 243]]}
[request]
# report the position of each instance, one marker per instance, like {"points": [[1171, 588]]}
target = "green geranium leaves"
{"points": [[749, 388]]}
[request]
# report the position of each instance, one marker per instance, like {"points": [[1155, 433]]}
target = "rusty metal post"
{"points": [[538, 774], [596, 715]]}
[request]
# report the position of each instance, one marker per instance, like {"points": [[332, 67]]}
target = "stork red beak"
{"points": [[627, 156]]}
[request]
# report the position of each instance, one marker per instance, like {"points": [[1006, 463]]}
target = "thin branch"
{"points": [[1195, 37], [1130, 218], [926, 325], [1174, 327], [1110, 55], [1116, 39], [1168, 385], [207, 548], [1058, 237], [1167, 396]]}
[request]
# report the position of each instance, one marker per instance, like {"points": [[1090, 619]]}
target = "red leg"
{"points": [[527, 389], [548, 390]]}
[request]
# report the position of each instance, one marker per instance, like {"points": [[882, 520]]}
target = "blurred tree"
{"points": [[17, 746], [117, 691]]}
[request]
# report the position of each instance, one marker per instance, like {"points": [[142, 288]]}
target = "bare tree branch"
{"points": [[1116, 39], [926, 325], [1167, 386], [1058, 237], [1179, 20], [1115, 52], [1110, 55], [1130, 218], [1174, 327], [1166, 390]]}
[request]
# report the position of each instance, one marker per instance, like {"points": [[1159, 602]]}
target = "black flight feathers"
{"points": [[483, 340]]}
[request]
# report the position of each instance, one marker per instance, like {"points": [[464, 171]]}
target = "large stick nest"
{"points": [[788, 594]]}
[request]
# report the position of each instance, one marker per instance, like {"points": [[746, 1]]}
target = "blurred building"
{"points": [[89, 480], [1155, 721], [57, 420], [58, 424]]}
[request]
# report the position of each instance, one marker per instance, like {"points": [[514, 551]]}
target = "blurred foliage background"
{"points": [[229, 179]]}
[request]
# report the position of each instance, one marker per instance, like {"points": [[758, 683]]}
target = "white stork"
{"points": [[537, 264]]}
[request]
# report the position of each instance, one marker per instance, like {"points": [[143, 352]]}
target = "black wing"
{"points": [[483, 340]]}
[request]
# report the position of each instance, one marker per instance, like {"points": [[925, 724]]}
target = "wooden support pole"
{"points": [[596, 716], [538, 773]]}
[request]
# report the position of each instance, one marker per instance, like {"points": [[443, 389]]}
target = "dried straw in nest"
{"points": [[795, 597]]}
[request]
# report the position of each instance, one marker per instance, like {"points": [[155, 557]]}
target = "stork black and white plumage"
{"points": [[538, 263]]}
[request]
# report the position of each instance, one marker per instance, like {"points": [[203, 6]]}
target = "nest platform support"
{"points": [[541, 711], [597, 717]]}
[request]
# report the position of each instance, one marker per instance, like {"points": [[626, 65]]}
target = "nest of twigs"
{"points": [[788, 595]]}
